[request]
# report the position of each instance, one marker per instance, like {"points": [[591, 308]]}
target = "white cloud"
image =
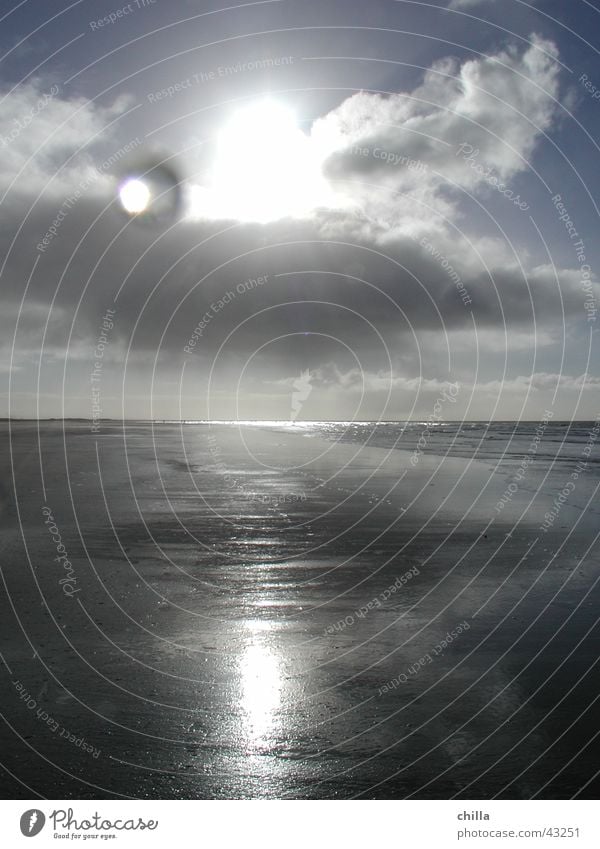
{"points": [[42, 128], [330, 376], [541, 381], [498, 104]]}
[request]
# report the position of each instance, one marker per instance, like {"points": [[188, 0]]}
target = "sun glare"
{"points": [[265, 167], [135, 196], [261, 685]]}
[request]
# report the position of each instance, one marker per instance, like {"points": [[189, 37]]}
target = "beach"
{"points": [[241, 611]]}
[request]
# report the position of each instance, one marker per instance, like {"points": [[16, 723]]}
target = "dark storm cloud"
{"points": [[169, 281]]}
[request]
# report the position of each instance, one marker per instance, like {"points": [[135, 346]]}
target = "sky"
{"points": [[349, 211]]}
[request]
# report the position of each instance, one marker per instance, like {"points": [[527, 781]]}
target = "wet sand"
{"points": [[252, 613]]}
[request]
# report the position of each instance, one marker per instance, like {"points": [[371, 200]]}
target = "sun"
{"points": [[265, 167]]}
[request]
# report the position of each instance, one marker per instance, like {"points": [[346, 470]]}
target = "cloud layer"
{"points": [[397, 278]]}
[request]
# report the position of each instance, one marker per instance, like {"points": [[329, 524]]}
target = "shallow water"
{"points": [[285, 612]]}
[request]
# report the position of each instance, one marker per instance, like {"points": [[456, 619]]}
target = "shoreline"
{"points": [[200, 657]]}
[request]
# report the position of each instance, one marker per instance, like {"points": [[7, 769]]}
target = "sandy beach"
{"points": [[223, 611]]}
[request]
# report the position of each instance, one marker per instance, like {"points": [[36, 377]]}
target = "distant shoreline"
{"points": [[289, 421]]}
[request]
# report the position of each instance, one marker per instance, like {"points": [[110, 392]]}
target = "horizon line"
{"points": [[273, 421]]}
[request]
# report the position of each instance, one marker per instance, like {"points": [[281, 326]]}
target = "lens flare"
{"points": [[135, 196]]}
